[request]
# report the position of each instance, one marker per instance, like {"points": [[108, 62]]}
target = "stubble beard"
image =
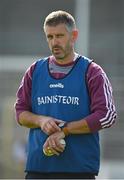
{"points": [[65, 53]]}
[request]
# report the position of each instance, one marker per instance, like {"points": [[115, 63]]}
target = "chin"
{"points": [[59, 57]]}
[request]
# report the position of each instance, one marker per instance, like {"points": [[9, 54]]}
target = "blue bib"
{"points": [[66, 99]]}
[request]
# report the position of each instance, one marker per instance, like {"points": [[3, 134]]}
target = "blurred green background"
{"points": [[22, 41]]}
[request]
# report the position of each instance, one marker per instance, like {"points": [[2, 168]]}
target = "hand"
{"points": [[50, 125], [53, 143]]}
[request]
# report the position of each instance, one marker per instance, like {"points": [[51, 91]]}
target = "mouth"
{"points": [[56, 50]]}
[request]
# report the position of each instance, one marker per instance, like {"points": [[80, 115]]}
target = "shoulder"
{"points": [[95, 70], [41, 62], [85, 59], [31, 69]]}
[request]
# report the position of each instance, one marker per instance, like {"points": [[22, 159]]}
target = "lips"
{"points": [[56, 50], [56, 47]]}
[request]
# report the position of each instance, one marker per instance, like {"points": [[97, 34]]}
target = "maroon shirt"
{"points": [[102, 107]]}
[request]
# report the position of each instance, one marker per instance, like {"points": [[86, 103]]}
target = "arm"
{"points": [[103, 112], [77, 127], [47, 124], [23, 108]]}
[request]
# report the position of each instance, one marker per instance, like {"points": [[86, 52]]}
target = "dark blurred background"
{"points": [[22, 41]]}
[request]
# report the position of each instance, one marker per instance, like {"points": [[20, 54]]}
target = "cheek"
{"points": [[72, 40], [70, 43], [68, 46], [49, 44]]}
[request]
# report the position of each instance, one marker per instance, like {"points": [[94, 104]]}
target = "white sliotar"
{"points": [[62, 141]]}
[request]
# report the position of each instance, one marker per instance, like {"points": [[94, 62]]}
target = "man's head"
{"points": [[61, 34], [60, 17]]}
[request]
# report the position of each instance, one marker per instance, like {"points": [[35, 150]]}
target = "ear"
{"points": [[75, 35]]}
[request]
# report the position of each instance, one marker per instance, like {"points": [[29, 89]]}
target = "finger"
{"points": [[54, 151], [46, 144], [60, 148], [57, 146], [49, 129], [53, 145], [54, 126]]}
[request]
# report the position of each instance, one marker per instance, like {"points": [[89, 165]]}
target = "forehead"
{"points": [[60, 28]]}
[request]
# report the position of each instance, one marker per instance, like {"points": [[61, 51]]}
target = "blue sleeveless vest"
{"points": [[66, 99]]}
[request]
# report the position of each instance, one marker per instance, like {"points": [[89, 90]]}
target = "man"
{"points": [[64, 88]]}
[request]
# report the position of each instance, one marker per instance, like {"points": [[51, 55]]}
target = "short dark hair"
{"points": [[60, 17]]}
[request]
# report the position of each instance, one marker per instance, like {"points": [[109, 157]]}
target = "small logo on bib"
{"points": [[58, 85]]}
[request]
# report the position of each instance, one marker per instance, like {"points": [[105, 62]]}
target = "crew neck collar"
{"points": [[52, 58]]}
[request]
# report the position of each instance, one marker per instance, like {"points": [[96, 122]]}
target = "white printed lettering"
{"points": [[58, 99], [58, 85]]}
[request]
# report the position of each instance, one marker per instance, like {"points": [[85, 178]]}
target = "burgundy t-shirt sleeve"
{"points": [[23, 100], [102, 107]]}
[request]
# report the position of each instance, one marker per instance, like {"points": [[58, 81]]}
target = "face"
{"points": [[60, 41]]}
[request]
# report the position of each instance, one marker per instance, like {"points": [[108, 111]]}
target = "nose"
{"points": [[54, 41]]}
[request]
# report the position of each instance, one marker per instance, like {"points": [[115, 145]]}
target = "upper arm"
{"points": [[103, 111], [23, 96]]}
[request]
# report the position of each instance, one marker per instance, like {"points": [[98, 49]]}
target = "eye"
{"points": [[60, 35], [49, 37]]}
